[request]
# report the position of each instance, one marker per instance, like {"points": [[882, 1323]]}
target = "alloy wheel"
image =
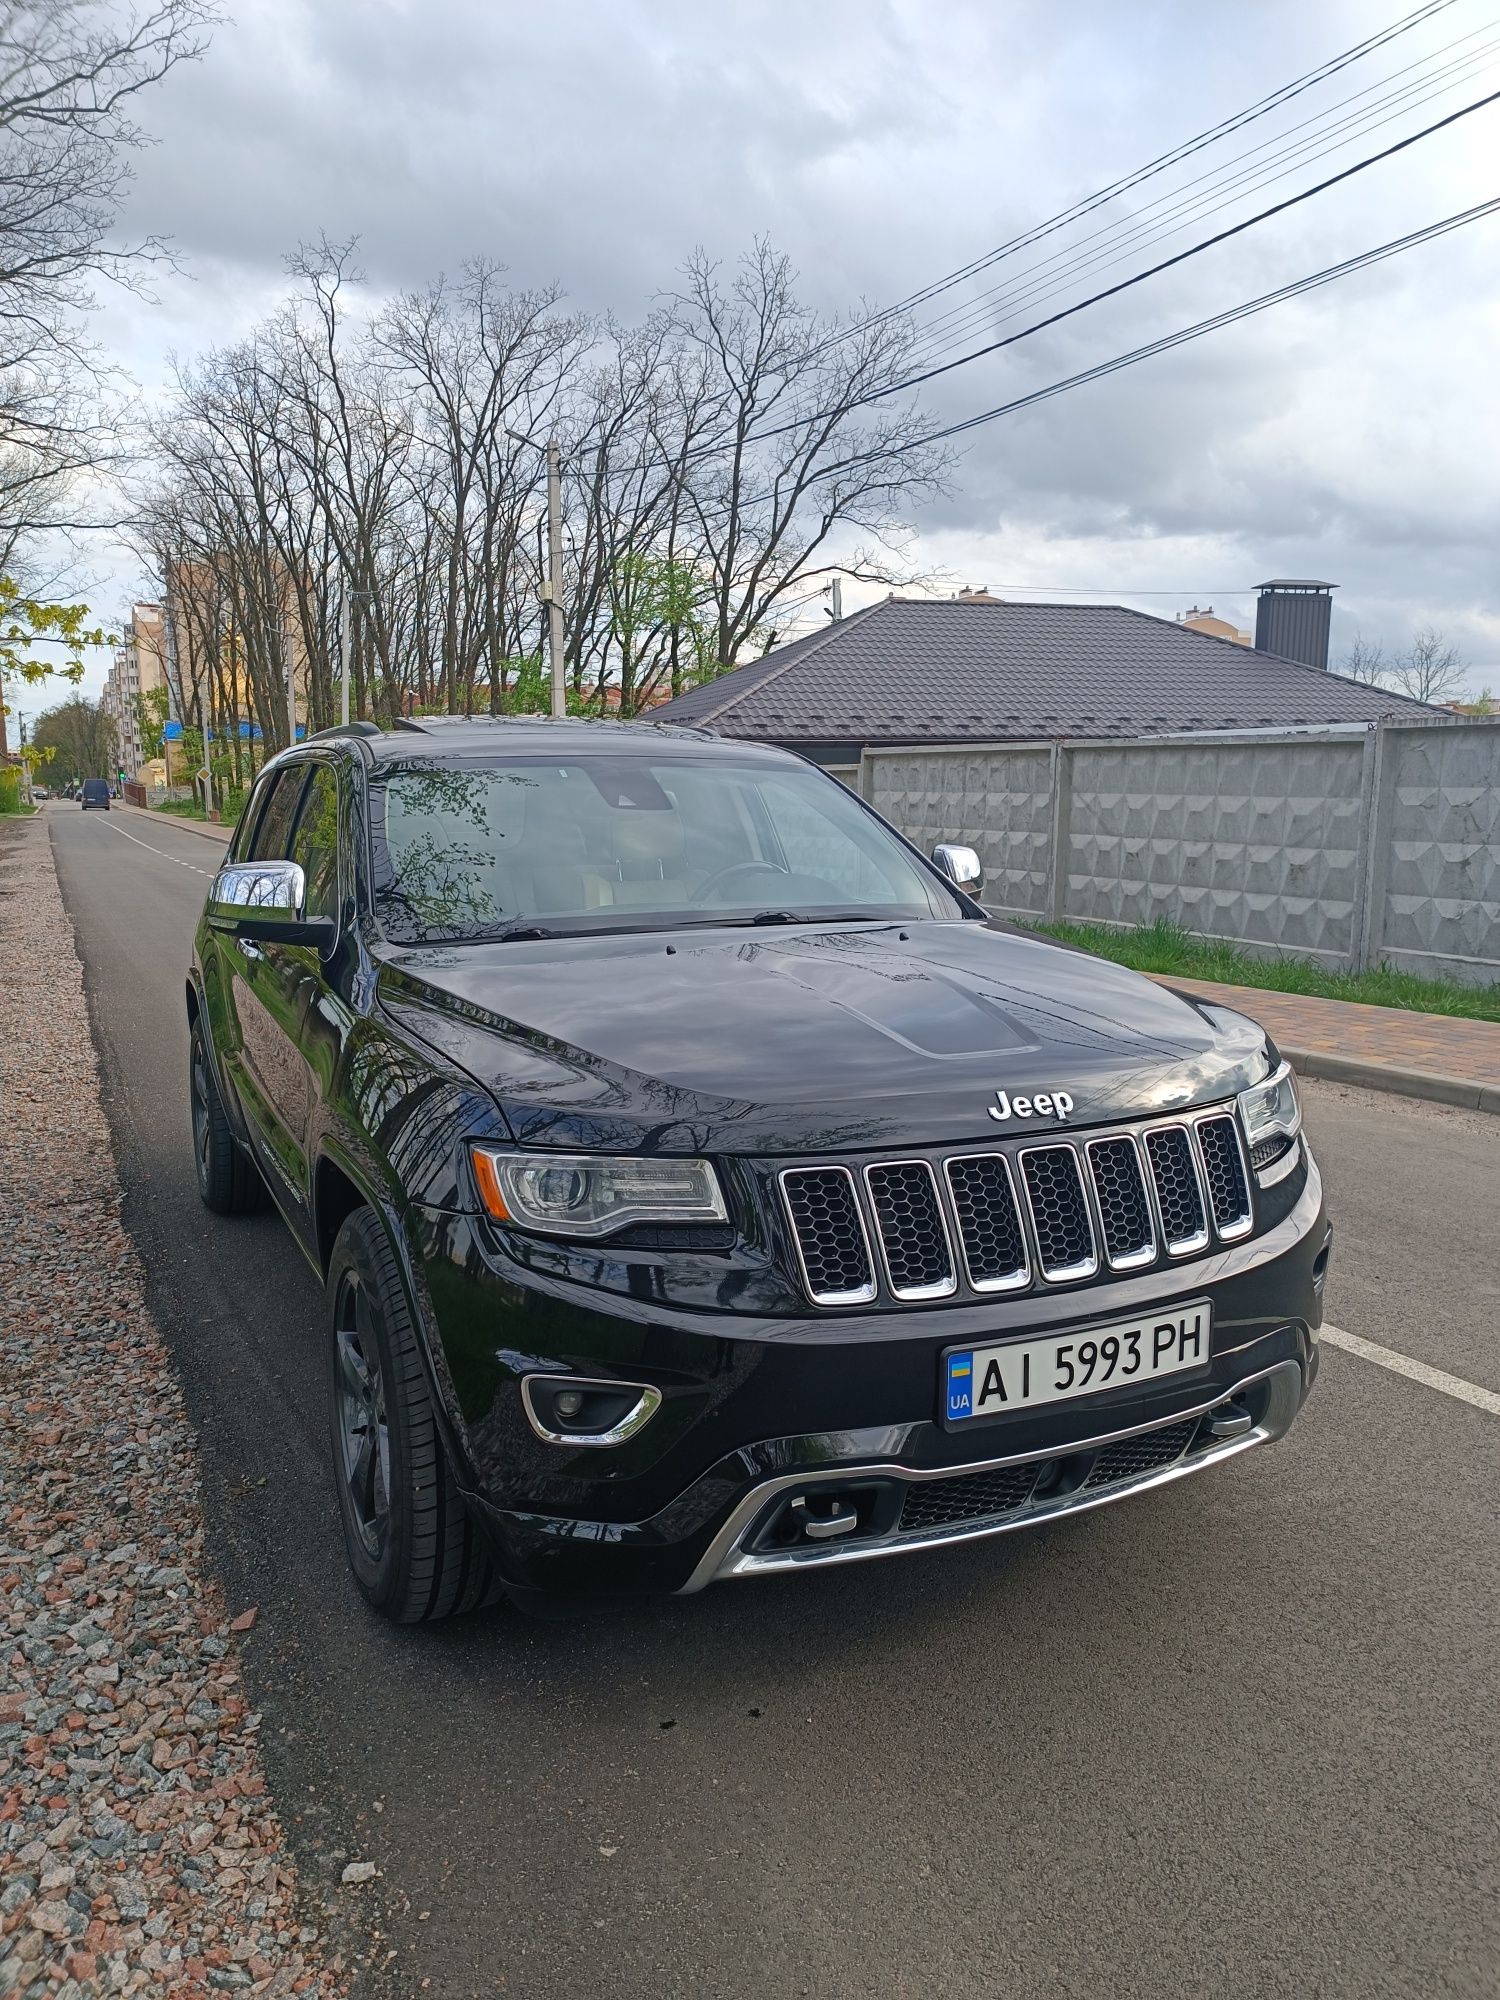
{"points": [[202, 1131], [363, 1430]]}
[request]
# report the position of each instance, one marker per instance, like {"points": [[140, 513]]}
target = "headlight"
{"points": [[1271, 1110], [572, 1194]]}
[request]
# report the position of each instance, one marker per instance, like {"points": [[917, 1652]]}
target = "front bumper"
{"points": [[1091, 1473], [705, 1488]]}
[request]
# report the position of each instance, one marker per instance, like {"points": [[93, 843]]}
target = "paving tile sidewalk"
{"points": [[1439, 1056], [203, 826]]}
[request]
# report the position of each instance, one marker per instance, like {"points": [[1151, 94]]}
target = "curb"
{"points": [[1464, 1091], [198, 826]]}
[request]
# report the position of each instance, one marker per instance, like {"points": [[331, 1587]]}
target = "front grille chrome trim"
{"points": [[1011, 1281], [1182, 1246], [1227, 1232], [863, 1294], [1132, 1260], [1081, 1268], [970, 1209], [913, 1294]]}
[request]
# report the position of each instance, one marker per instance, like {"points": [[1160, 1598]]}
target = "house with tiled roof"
{"points": [[977, 669]]}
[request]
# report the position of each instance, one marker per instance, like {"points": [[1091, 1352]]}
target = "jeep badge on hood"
{"points": [[1047, 1103]]}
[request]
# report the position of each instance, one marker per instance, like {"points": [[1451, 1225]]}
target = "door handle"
{"points": [[250, 948]]}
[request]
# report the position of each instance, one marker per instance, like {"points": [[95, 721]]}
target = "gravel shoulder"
{"points": [[139, 1848]]}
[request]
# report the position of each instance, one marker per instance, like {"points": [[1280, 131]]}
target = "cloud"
{"points": [[1354, 434]]}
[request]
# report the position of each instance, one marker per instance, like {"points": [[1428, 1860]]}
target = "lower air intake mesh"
{"points": [[1145, 1453], [935, 1503]]}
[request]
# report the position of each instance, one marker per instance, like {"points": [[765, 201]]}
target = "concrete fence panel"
{"points": [[1350, 847], [1257, 842], [1439, 819], [997, 801]]}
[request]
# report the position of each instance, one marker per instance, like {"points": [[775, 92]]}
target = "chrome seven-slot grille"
{"points": [[1058, 1210]]}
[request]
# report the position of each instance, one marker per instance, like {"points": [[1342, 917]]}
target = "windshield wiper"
{"points": [[808, 917], [519, 933]]}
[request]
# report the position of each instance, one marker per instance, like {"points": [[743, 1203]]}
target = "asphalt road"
{"points": [[1235, 1738]]}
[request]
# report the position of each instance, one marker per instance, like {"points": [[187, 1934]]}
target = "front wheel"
{"points": [[413, 1549], [227, 1177]]}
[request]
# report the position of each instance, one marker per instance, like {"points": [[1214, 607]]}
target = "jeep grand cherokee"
{"points": [[704, 1185]]}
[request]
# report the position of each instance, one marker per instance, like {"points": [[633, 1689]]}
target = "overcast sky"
{"points": [[1353, 435]]}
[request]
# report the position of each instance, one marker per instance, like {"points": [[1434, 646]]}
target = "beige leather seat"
{"points": [[651, 858]]}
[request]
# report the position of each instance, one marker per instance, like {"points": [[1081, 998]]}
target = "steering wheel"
{"points": [[722, 875]]}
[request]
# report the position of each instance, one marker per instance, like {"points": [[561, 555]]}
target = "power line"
{"points": [[1042, 280], [1086, 206], [1140, 277], [1363, 261]]}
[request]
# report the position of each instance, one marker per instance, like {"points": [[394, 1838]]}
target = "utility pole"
{"points": [[346, 638], [208, 748], [836, 592], [291, 683], [552, 589]]}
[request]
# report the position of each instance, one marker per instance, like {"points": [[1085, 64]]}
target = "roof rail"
{"points": [[362, 729], [345, 729]]}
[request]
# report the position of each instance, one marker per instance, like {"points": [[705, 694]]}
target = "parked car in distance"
{"points": [[40, 794], [704, 1185], [95, 792]]}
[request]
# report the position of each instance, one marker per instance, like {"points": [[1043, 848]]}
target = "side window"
{"points": [[315, 844], [273, 834], [239, 844]]}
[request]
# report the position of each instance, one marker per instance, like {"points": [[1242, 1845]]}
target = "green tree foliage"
{"points": [[153, 709], [81, 738], [32, 635], [660, 621]]}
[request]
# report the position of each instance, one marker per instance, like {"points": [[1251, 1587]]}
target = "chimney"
{"points": [[1291, 618]]}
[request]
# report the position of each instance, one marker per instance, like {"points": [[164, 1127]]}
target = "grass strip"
{"points": [[1165, 948]]}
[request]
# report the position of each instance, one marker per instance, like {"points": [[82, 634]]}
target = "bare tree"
{"points": [[1364, 661], [389, 459], [70, 71], [794, 451], [1430, 669]]}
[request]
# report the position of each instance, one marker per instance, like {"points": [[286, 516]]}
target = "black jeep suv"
{"points": [[705, 1185]]}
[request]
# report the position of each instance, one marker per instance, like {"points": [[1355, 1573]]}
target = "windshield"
{"points": [[471, 850]]}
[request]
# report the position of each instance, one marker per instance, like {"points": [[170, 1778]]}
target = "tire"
{"points": [[228, 1179], [412, 1546]]}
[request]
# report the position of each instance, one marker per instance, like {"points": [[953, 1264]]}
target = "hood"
{"points": [[808, 1039]]}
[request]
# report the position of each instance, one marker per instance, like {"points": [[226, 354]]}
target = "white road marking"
{"points": [[159, 850], [1416, 1371]]}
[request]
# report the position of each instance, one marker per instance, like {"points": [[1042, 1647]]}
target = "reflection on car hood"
{"points": [[809, 1040]]}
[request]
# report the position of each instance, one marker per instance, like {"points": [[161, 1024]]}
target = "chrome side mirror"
{"points": [[961, 865], [270, 888], [265, 900]]}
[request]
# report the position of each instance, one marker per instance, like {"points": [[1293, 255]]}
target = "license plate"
{"points": [[1020, 1374]]}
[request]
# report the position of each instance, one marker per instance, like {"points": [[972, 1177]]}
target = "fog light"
{"points": [[584, 1412]]}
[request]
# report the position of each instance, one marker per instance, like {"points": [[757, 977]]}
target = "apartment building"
{"points": [[139, 666]]}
